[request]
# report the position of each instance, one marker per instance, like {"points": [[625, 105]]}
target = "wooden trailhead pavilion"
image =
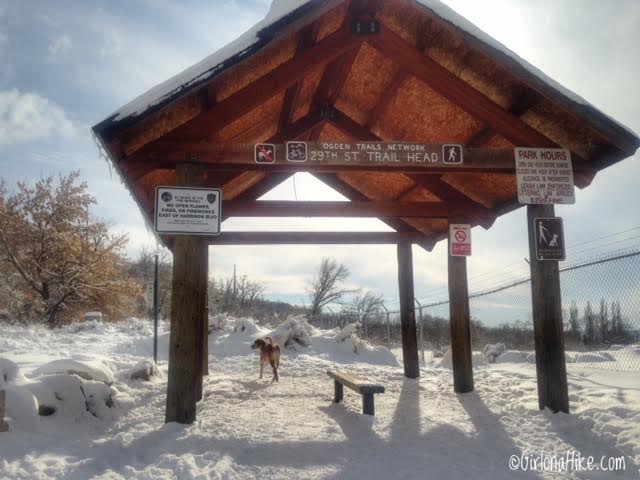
{"points": [[403, 107]]}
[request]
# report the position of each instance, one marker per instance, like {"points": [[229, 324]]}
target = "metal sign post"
{"points": [[155, 309]]}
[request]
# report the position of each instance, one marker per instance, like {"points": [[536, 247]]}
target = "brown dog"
{"points": [[269, 352]]}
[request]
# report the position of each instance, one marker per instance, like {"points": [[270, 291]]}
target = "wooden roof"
{"points": [[310, 77]]}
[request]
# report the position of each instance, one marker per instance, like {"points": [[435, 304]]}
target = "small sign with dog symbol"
{"points": [[549, 238], [265, 153]]}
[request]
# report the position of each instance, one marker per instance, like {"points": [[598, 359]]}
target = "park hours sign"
{"points": [[544, 176], [188, 211]]}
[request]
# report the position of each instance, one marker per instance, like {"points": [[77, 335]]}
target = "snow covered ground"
{"points": [[250, 428]]}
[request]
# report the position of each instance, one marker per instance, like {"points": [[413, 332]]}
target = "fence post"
{"points": [[4, 426], [420, 329]]}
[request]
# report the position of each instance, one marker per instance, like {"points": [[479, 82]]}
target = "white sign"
{"points": [[188, 211], [460, 239], [544, 176]]}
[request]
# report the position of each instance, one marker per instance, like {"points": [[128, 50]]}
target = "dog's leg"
{"points": [[275, 370], [261, 367]]}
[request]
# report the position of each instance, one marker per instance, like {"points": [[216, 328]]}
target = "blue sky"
{"points": [[68, 64]]}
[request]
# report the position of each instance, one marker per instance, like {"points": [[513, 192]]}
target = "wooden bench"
{"points": [[363, 388]]}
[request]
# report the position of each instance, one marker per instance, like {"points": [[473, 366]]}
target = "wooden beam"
{"points": [[386, 98], [185, 340], [547, 322], [388, 209], [407, 311], [306, 39], [269, 85], [524, 102], [457, 90], [459, 320], [314, 238]]}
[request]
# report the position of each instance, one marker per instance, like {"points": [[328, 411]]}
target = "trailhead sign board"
{"points": [[549, 238], [544, 176], [188, 211], [460, 239], [360, 153]]}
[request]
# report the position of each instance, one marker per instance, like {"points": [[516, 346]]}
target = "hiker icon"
{"points": [[452, 153]]}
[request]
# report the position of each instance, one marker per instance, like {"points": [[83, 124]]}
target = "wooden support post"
{"points": [[368, 407], [338, 393], [4, 426], [185, 340], [547, 322], [203, 320], [460, 324], [407, 311]]}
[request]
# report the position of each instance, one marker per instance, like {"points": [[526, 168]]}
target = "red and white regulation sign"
{"points": [[460, 239]]}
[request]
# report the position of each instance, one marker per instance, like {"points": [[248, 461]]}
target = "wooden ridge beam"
{"points": [[389, 209], [269, 85], [315, 238]]}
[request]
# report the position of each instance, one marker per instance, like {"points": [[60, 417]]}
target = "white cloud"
{"points": [[112, 44], [59, 46], [27, 116]]}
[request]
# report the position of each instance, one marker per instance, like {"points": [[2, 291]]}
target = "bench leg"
{"points": [[367, 404], [339, 391]]}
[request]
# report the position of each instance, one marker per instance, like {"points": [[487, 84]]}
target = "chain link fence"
{"points": [[601, 315]]}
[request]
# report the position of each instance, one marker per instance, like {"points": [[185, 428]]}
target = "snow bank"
{"points": [[512, 356], [87, 369], [590, 357], [477, 359]]}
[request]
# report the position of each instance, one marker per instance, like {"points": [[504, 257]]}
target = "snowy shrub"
{"points": [[144, 370], [218, 322], [294, 330], [246, 326], [491, 352], [346, 332]]}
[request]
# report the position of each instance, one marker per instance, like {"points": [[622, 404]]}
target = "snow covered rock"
{"points": [[491, 352], [9, 372], [70, 396], [293, 331], [144, 370], [21, 407], [86, 369]]}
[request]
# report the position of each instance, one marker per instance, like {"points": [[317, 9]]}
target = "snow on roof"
{"points": [[284, 12]]}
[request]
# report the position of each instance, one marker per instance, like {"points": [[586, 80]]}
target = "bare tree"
{"points": [[61, 261], [326, 288], [365, 305]]}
